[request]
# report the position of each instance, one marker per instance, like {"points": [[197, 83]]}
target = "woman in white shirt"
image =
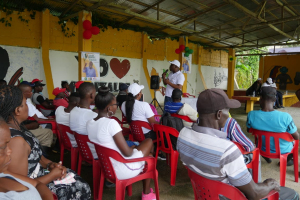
{"points": [[108, 133]]}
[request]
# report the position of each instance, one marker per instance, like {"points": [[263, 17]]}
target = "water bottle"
{"points": [[253, 94], [286, 92]]}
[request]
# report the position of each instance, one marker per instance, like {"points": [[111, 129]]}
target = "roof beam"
{"points": [[69, 8], [260, 45], [250, 13]]}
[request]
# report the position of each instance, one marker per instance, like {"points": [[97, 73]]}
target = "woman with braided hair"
{"points": [[26, 156]]}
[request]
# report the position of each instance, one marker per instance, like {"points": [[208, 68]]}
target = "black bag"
{"points": [[174, 122]]}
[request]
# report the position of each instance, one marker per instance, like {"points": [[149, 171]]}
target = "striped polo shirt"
{"points": [[207, 152], [173, 107]]}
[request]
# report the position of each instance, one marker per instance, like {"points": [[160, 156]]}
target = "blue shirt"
{"points": [[274, 121], [89, 72], [173, 107]]}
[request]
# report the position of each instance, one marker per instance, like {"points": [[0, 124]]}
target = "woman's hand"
{"points": [[55, 173], [59, 166]]}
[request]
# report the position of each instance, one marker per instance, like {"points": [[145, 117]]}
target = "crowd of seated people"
{"points": [[32, 174]]}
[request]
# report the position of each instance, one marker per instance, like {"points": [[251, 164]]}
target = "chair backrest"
{"points": [[117, 119], [103, 155], [63, 130], [162, 130], [137, 131], [183, 117], [209, 189], [268, 135], [82, 142]]}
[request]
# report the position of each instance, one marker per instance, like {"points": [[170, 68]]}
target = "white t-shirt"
{"points": [[175, 78], [33, 111], [102, 132], [63, 118], [190, 112], [78, 119], [141, 112]]}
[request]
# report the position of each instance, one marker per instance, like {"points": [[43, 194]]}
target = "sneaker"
{"points": [[161, 156], [274, 107], [267, 159], [150, 196], [109, 184], [289, 163]]}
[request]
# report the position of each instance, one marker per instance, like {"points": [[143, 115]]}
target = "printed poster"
{"points": [[90, 66], [186, 64]]}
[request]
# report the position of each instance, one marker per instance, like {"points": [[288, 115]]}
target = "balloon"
{"points": [[87, 25], [181, 47], [191, 51], [177, 51], [186, 54], [95, 30], [186, 49], [87, 34]]}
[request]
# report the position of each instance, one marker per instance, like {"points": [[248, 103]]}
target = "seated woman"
{"points": [[108, 133], [26, 156], [15, 186]]}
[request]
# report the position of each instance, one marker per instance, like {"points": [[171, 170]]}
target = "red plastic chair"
{"points": [[187, 95], [172, 155], [54, 196], [209, 189], [86, 155], [183, 117], [283, 157], [254, 164], [107, 171], [136, 130], [52, 122], [39, 107], [66, 144], [125, 131]]}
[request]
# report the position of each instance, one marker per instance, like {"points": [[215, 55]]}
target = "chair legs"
{"points": [[296, 165], [79, 165], [62, 149], [96, 178], [283, 161], [100, 190], [129, 190], [74, 156], [120, 191], [156, 185], [174, 160]]}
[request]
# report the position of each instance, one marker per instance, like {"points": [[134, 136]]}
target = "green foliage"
{"points": [[247, 67]]}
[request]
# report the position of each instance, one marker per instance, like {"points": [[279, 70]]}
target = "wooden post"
{"points": [[231, 68], [83, 44], [144, 58], [45, 52], [183, 42], [261, 67]]}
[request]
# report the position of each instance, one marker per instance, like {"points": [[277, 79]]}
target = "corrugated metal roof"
{"points": [[177, 17]]}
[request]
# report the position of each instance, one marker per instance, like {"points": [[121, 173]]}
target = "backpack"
{"points": [[174, 122]]}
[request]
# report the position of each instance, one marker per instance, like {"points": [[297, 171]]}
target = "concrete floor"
{"points": [[183, 189]]}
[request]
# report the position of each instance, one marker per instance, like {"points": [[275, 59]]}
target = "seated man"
{"points": [[39, 99], [254, 89], [122, 96], [205, 150], [77, 85], [268, 119], [65, 84], [60, 96], [81, 114], [43, 132], [62, 114], [175, 106]]}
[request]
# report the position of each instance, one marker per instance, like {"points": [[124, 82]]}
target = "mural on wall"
{"points": [[283, 79], [218, 79], [120, 69], [297, 78], [103, 67]]}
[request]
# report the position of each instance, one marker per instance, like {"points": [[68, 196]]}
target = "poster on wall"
{"points": [[90, 66], [187, 64]]}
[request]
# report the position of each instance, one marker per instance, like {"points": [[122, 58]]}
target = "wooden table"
{"points": [[251, 100]]}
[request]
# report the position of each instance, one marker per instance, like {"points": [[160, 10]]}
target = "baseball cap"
{"points": [[27, 83], [259, 79], [135, 88], [123, 86], [36, 80], [38, 83], [268, 91], [274, 85], [176, 94], [265, 85], [78, 83], [269, 80], [175, 62], [58, 90], [212, 100]]}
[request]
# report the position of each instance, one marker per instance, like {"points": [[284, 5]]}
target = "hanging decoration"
{"points": [[230, 58], [89, 29], [187, 51]]}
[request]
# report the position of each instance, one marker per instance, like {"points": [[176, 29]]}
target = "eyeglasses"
{"points": [[117, 104]]}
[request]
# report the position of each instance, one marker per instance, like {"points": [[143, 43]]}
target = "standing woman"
{"points": [[108, 133], [26, 156]]}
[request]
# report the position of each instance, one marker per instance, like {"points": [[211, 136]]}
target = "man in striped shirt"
{"points": [[205, 150]]}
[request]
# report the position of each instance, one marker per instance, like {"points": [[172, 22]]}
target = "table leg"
{"points": [[249, 106]]}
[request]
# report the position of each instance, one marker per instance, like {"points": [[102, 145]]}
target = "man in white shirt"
{"points": [[62, 114], [174, 80], [80, 115], [43, 132]]}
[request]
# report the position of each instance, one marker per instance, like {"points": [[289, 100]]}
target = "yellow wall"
{"points": [[289, 61]]}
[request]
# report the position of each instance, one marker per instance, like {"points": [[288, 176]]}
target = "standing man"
{"points": [[174, 80]]}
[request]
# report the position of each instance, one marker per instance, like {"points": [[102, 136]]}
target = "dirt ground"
{"points": [[183, 189]]}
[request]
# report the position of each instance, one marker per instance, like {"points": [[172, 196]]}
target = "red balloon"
{"points": [[87, 25], [95, 30], [87, 34], [182, 47], [177, 51]]}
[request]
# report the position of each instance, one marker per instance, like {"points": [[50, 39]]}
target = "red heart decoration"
{"points": [[119, 69]]}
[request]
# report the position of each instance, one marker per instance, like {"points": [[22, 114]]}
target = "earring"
{"points": [[109, 116]]}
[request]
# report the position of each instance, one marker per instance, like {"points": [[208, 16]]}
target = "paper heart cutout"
{"points": [[119, 69]]}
